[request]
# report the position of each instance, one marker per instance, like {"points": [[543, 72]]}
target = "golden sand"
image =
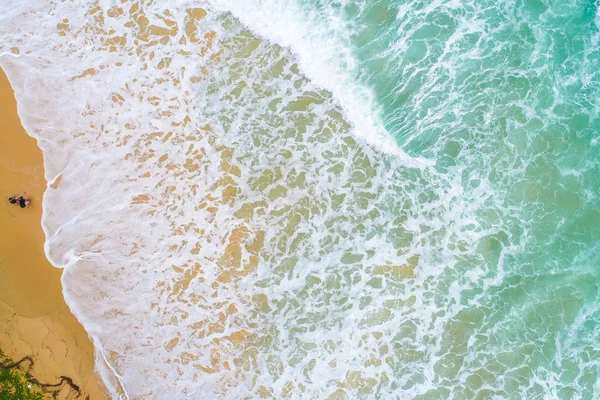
{"points": [[34, 318]]}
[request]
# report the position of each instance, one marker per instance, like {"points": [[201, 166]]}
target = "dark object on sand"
{"points": [[22, 201]]}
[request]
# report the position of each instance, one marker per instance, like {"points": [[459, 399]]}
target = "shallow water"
{"points": [[322, 199]]}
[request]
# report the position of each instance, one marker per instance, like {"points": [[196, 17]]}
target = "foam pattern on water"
{"points": [[504, 93], [231, 226]]}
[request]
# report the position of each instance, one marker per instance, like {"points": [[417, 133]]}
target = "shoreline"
{"points": [[35, 317]]}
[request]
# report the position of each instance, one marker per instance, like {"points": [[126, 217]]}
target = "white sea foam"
{"points": [[222, 232], [324, 54]]}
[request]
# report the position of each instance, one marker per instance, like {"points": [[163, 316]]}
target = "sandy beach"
{"points": [[34, 318]]}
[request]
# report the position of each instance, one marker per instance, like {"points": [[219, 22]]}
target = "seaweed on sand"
{"points": [[16, 382]]}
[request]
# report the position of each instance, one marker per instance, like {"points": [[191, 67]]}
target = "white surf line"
{"points": [[346, 96], [115, 373]]}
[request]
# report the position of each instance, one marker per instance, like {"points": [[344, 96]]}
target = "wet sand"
{"points": [[34, 318]]}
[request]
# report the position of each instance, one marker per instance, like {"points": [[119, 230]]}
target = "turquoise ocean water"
{"points": [[504, 99], [505, 94]]}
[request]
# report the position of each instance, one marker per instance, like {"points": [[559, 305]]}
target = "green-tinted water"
{"points": [[504, 95]]}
